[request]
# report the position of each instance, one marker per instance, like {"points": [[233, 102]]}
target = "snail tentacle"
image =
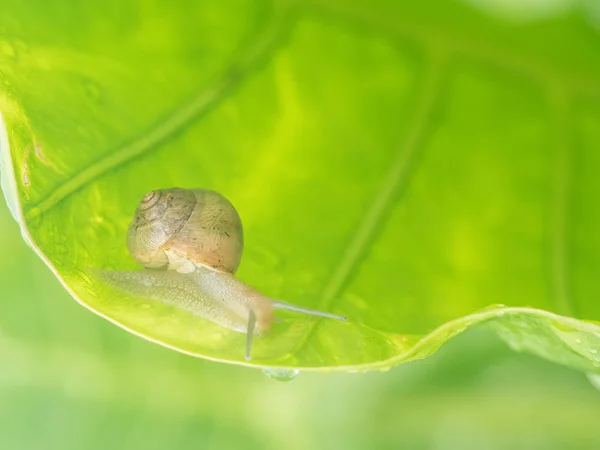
{"points": [[278, 304], [250, 334]]}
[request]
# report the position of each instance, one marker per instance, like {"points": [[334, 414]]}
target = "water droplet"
{"points": [[578, 341], [492, 307], [281, 374], [84, 277], [593, 351], [8, 50], [25, 175], [92, 89], [39, 153]]}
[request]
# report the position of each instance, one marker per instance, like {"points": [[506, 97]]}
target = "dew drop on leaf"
{"points": [[281, 374], [92, 90]]}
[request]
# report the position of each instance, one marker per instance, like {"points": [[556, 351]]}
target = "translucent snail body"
{"points": [[195, 240]]}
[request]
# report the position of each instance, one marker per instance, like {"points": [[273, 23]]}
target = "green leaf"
{"points": [[418, 168]]}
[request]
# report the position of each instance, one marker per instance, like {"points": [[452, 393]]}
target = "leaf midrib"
{"points": [[560, 107], [396, 181]]}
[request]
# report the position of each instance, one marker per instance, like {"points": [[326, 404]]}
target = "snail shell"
{"points": [[180, 229]]}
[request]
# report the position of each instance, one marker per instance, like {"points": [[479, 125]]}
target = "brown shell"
{"points": [[197, 225]]}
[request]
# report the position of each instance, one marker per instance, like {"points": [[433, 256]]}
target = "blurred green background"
{"points": [[71, 380]]}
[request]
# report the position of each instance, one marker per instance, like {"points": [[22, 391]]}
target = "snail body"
{"points": [[190, 243]]}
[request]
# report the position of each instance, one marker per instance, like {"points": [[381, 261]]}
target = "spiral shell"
{"points": [[182, 229]]}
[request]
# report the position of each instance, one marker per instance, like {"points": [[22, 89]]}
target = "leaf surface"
{"points": [[419, 169]]}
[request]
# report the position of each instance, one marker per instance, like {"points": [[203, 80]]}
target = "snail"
{"points": [[190, 242]]}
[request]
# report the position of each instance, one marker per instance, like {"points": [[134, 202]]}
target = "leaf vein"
{"points": [[396, 181], [175, 121], [477, 49]]}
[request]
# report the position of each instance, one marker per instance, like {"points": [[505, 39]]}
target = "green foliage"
{"points": [[418, 168]]}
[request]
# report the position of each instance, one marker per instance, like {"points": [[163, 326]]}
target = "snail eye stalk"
{"points": [[250, 334]]}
